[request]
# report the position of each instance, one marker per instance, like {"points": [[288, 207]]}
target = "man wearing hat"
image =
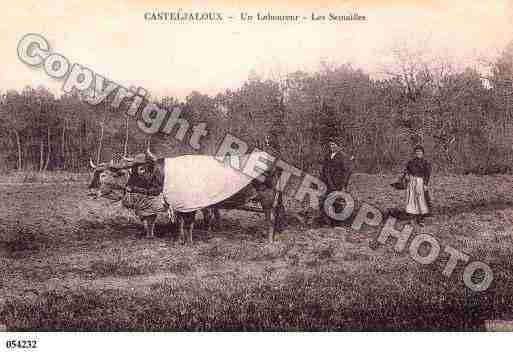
{"points": [[336, 171]]}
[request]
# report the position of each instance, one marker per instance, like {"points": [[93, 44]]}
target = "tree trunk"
{"points": [[63, 148], [98, 157], [378, 154], [125, 149], [72, 161], [18, 143], [41, 157], [80, 144], [49, 151]]}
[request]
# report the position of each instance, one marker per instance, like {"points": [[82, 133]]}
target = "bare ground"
{"points": [[69, 262]]}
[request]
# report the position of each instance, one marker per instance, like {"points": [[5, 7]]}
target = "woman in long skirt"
{"points": [[418, 172]]}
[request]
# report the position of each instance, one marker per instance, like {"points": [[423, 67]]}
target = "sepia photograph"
{"points": [[221, 166]]}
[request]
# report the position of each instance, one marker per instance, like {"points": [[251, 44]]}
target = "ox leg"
{"points": [[189, 230], [187, 225], [207, 218], [217, 217], [181, 232], [212, 218], [146, 227], [151, 225], [190, 225]]}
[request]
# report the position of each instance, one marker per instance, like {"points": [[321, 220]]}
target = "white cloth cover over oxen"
{"points": [[193, 182]]}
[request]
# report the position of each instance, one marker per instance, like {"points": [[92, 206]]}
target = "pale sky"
{"points": [[113, 39]]}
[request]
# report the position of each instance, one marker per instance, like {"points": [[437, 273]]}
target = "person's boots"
{"points": [[419, 220], [428, 202]]}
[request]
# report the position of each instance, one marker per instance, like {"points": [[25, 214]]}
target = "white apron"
{"points": [[415, 196]]}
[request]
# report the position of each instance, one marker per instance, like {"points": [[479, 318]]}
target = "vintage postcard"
{"points": [[309, 166]]}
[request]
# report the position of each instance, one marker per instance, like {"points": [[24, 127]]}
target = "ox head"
{"points": [[142, 164], [109, 179]]}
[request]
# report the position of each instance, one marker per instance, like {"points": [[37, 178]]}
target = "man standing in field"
{"points": [[336, 171]]}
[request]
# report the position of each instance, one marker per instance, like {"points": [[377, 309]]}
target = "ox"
{"points": [[189, 187]]}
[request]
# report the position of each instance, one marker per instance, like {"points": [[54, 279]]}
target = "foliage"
{"points": [[463, 121]]}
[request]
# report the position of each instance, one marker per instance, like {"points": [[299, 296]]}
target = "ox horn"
{"points": [[151, 155], [91, 163]]}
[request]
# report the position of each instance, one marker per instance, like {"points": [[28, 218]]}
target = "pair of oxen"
{"points": [[110, 181]]}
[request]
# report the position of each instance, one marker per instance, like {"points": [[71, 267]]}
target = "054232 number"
{"points": [[21, 344]]}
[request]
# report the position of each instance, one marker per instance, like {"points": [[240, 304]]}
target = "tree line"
{"points": [[463, 119]]}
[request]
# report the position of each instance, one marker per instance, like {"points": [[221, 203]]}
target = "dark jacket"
{"points": [[419, 167], [336, 171]]}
